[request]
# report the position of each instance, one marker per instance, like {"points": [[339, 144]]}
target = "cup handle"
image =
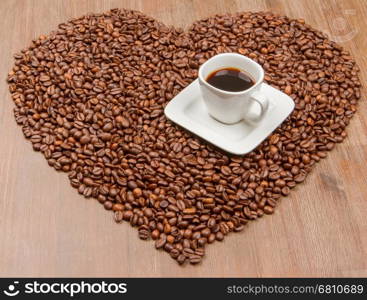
{"points": [[263, 101]]}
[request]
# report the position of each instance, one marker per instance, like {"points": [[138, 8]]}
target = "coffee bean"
{"points": [[132, 185], [205, 232], [177, 147], [239, 228], [286, 190], [194, 259], [295, 170], [118, 216], [189, 211], [155, 234], [107, 205], [288, 90], [101, 120], [143, 232], [160, 243], [225, 170], [196, 235], [105, 136], [137, 192], [88, 181], [200, 251], [170, 239], [163, 204], [148, 212], [85, 139], [181, 205], [127, 215], [122, 121], [268, 210], [44, 78], [300, 178], [188, 252], [174, 253], [219, 236], [211, 238], [107, 127], [117, 207], [306, 159], [181, 259]]}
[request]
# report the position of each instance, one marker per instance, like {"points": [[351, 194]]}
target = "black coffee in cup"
{"points": [[230, 79]]}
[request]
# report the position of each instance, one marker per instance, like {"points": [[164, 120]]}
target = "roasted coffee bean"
{"points": [[107, 205], [194, 259], [117, 207], [239, 228], [118, 216], [181, 259], [219, 236], [188, 251], [155, 234], [211, 222], [143, 232], [122, 121], [300, 178], [170, 239], [268, 209], [205, 232], [211, 238], [168, 247], [160, 243], [200, 251], [91, 98], [181, 205], [174, 253], [286, 190], [127, 215]]}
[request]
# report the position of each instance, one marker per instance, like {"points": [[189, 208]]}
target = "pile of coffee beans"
{"points": [[90, 97]]}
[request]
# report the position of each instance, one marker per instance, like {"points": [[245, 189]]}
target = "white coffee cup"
{"points": [[232, 107]]}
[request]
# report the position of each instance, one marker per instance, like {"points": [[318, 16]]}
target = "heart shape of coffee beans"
{"points": [[91, 95]]}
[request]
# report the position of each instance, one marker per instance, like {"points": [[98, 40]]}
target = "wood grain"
{"points": [[47, 229]]}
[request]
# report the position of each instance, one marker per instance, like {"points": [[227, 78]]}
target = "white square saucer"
{"points": [[188, 110]]}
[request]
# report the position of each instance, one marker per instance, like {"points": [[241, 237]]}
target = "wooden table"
{"points": [[47, 229]]}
